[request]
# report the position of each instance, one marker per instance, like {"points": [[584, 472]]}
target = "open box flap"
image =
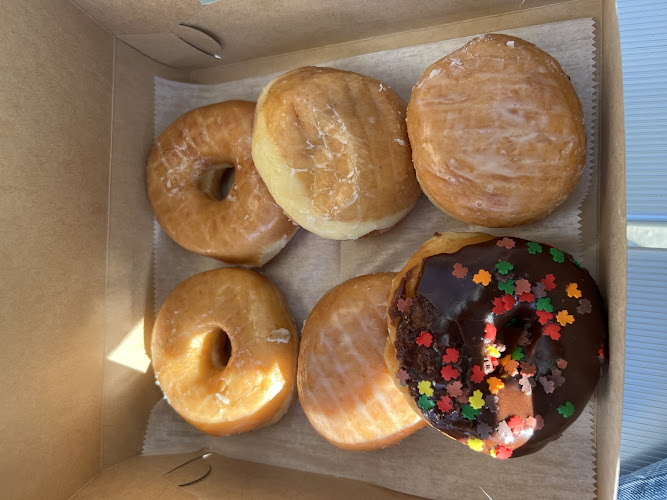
{"points": [[251, 29], [185, 476], [55, 133]]}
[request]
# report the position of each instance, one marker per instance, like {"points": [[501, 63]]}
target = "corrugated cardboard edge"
{"points": [[613, 257]]}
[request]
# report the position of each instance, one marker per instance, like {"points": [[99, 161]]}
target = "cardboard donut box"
{"points": [[76, 127]]}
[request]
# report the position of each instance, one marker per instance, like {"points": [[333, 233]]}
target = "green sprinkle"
{"points": [[469, 412], [506, 286], [504, 267], [425, 402], [557, 255], [517, 354], [566, 410], [544, 304], [534, 248], [577, 263]]}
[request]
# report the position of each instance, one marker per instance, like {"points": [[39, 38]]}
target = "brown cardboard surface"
{"points": [[56, 66], [171, 50], [528, 15], [137, 478], [127, 17], [246, 480], [282, 26], [149, 477], [613, 250], [129, 390]]}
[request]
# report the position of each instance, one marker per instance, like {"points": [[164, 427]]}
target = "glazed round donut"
{"points": [[495, 341], [497, 132], [344, 386], [224, 350], [332, 147], [185, 170]]}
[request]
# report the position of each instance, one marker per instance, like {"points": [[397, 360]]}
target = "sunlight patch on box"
{"points": [[130, 352]]}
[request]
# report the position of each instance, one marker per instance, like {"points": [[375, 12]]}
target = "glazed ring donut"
{"points": [[495, 341], [185, 170], [332, 147], [344, 386], [497, 132], [202, 320]]}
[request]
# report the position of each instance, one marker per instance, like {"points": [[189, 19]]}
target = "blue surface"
{"points": [[643, 30]]}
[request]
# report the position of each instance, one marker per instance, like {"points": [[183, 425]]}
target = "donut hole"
{"points": [[217, 349], [217, 180]]}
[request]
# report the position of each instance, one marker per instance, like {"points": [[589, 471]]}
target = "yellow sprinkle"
{"points": [[476, 400], [564, 318], [476, 444], [493, 352], [483, 277], [425, 387], [495, 384], [493, 452], [573, 291]]}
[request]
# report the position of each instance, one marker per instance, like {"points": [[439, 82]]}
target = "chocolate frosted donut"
{"points": [[495, 341]]}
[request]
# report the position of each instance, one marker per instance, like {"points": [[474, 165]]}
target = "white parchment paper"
{"points": [[426, 463]]}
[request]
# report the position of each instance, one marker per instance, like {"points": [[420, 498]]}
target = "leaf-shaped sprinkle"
{"points": [[454, 388], [404, 305], [448, 372], [425, 387], [585, 306], [476, 400], [567, 409], [495, 384], [573, 291], [469, 412], [484, 430], [506, 286], [557, 255], [425, 403], [548, 385], [506, 242], [544, 304], [521, 286], [504, 267], [534, 248], [564, 318], [460, 271], [504, 432], [445, 404], [451, 355], [483, 277]]}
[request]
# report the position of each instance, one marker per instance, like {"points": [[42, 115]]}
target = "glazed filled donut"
{"points": [[495, 341], [185, 170], [332, 148], [344, 386], [224, 350], [497, 132]]}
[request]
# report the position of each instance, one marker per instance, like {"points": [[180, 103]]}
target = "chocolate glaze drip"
{"points": [[456, 310]]}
